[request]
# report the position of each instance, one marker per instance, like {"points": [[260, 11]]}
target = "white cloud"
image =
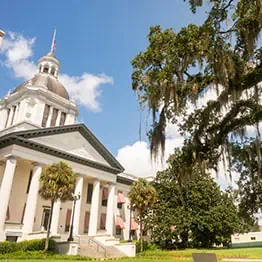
{"points": [[17, 51], [85, 89], [136, 158]]}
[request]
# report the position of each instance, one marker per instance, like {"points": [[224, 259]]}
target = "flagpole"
{"points": [[53, 41]]}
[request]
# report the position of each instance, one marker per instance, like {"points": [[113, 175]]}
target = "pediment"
{"points": [[75, 140]]}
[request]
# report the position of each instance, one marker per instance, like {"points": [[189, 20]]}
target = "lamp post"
{"points": [[130, 224], [75, 198]]}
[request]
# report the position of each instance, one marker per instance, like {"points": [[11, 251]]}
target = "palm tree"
{"points": [[57, 183], [142, 196]]}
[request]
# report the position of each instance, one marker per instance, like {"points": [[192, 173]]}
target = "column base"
{"points": [[2, 236]]}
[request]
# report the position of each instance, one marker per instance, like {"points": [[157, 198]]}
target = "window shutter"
{"points": [[54, 116], [68, 219], [86, 225], [62, 119], [45, 116]]}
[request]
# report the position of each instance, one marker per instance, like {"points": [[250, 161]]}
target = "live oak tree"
{"points": [[178, 67], [57, 182], [249, 192], [142, 197], [191, 210]]}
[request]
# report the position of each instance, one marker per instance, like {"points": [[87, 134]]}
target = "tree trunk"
{"points": [[48, 227], [141, 236]]}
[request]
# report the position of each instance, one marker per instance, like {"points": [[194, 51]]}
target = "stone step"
{"points": [[91, 251]]}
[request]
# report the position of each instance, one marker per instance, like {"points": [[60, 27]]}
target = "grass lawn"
{"points": [[221, 253], [162, 256]]}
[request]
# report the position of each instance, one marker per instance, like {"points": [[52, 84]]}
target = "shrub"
{"points": [[26, 255], [27, 245], [147, 246]]}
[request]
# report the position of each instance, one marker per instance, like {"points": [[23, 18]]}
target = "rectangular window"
{"points": [[29, 181], [68, 219], [89, 193], [45, 217], [119, 205], [7, 116], [104, 197], [45, 116], [253, 238], [7, 216], [13, 116], [86, 225], [23, 214], [62, 119], [118, 231], [103, 221], [11, 238], [54, 117]]}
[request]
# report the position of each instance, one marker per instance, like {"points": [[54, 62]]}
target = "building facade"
{"points": [[37, 128]]}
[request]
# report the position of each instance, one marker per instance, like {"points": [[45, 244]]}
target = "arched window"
{"points": [[53, 71], [46, 69]]}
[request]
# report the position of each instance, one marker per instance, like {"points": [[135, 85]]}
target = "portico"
{"points": [[37, 128]]}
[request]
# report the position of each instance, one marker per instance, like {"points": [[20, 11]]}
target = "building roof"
{"points": [[51, 83], [22, 138]]}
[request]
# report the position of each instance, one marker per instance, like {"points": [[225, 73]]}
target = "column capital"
{"points": [[37, 164], [96, 180], [111, 183], [11, 157]]}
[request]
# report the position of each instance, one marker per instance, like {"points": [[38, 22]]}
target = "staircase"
{"points": [[100, 246]]}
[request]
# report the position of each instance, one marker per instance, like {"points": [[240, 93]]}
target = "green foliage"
{"points": [[32, 255], [245, 161], [163, 79], [57, 183], [191, 212], [142, 196], [146, 246], [27, 245]]}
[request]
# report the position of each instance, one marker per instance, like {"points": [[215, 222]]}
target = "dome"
{"points": [[51, 83], [49, 57]]}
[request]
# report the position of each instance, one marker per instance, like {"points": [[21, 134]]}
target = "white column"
{"points": [[3, 116], [31, 202], [55, 218], [110, 209], [5, 192], [78, 191], [94, 209], [48, 123], [58, 118]]}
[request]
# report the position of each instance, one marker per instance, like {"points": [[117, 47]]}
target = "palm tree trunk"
{"points": [[141, 235], [48, 227]]}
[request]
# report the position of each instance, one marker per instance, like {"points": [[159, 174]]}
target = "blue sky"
{"points": [[97, 37]]}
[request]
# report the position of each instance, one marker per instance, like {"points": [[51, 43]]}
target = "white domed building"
{"points": [[37, 128]]}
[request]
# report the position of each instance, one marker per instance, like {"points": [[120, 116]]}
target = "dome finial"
{"points": [[53, 45]]}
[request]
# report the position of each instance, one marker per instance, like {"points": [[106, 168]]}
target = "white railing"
{"points": [[98, 245]]}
